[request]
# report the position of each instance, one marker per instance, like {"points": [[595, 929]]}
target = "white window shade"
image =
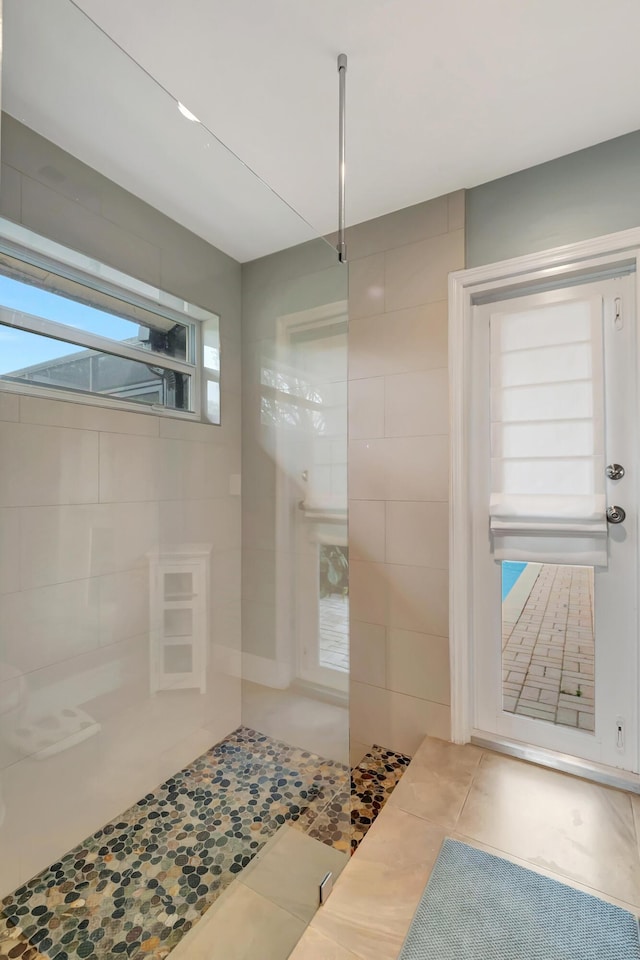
{"points": [[547, 433]]}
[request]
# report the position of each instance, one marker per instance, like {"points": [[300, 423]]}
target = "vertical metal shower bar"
{"points": [[342, 76]]}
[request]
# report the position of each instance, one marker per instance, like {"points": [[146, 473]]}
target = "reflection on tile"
{"points": [[315, 946], [366, 529], [635, 807], [80, 416], [9, 549], [86, 231], [418, 599], [124, 606], [288, 715], [357, 750], [333, 824], [437, 782], [366, 286], [411, 339], [407, 225], [242, 926], [371, 908], [395, 718], [8, 404], [418, 534], [131, 469], [366, 408], [86, 540], [368, 592], [10, 201], [343, 819], [47, 465], [374, 901], [399, 468], [418, 665], [35, 831], [418, 273], [543, 871], [49, 624], [456, 203], [368, 653], [416, 404], [288, 871], [574, 828], [401, 841]]}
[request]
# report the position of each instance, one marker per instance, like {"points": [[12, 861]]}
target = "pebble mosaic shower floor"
{"points": [[139, 884]]}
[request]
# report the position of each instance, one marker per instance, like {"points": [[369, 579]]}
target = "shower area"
{"points": [[174, 650]]}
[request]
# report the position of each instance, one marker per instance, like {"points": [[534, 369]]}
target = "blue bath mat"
{"points": [[480, 907]]}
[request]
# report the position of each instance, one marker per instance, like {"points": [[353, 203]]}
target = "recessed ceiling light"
{"points": [[187, 113]]}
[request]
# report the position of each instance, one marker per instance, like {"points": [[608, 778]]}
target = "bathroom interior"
{"points": [[218, 652], [174, 579]]}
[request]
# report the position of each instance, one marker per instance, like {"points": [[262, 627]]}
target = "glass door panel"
{"points": [[548, 644]]}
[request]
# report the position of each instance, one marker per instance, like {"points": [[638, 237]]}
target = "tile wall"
{"points": [[294, 425], [398, 472], [85, 494], [292, 284]]}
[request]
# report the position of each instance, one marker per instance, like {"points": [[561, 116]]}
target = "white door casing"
{"points": [[474, 621], [302, 526]]}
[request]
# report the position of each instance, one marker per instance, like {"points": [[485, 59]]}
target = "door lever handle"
{"points": [[615, 514]]}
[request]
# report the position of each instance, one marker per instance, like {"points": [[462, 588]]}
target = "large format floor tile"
{"points": [[242, 926], [374, 900], [315, 946], [440, 780], [577, 829], [571, 830], [288, 870]]}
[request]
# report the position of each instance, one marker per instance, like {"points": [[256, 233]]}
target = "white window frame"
{"points": [[24, 245]]}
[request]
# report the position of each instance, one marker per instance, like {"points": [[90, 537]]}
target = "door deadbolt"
{"points": [[615, 471], [615, 514]]}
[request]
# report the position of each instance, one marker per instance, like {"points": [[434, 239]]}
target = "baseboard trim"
{"points": [[317, 691], [269, 673], [586, 769]]}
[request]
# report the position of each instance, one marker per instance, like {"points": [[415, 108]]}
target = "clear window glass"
{"points": [[334, 607], [157, 335], [70, 323], [32, 358], [548, 643]]}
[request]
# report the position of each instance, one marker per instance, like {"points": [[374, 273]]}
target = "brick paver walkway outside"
{"points": [[548, 656], [334, 632]]}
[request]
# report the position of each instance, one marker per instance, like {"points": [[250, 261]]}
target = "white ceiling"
{"points": [[441, 95]]}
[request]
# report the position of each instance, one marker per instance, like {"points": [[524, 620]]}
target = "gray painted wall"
{"points": [[585, 194]]}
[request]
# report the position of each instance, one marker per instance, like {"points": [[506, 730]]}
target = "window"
{"points": [[75, 326]]}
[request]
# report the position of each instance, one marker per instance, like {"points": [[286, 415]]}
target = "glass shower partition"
{"points": [[173, 584]]}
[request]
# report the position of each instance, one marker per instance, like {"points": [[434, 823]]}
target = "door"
{"points": [[554, 445]]}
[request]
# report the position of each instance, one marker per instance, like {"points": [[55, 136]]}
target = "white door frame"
{"points": [[590, 258], [289, 496]]}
